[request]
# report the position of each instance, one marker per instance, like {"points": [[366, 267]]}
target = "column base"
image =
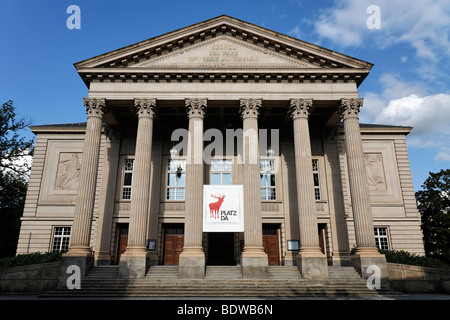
{"points": [[134, 263], [192, 263], [312, 263], [371, 265], [85, 261], [153, 258], [254, 263], [341, 259], [102, 258], [290, 258]]}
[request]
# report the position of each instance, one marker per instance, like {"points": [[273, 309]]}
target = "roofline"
{"points": [[81, 127], [59, 128], [218, 20]]}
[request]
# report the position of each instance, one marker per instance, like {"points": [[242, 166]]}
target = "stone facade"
{"points": [[337, 184]]}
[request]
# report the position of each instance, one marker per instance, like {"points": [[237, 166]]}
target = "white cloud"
{"points": [[407, 103], [393, 88], [428, 114], [421, 25], [443, 155], [296, 32]]}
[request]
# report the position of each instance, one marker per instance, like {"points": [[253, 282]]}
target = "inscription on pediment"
{"points": [[223, 52]]}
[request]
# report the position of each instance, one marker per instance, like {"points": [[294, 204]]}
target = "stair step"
{"points": [[219, 281], [223, 272]]}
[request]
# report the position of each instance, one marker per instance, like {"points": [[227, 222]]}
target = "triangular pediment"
{"points": [[226, 46], [223, 52]]}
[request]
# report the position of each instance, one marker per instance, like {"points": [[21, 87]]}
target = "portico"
{"points": [[302, 160], [227, 67]]}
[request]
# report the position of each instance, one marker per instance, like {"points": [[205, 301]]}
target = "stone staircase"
{"points": [[219, 281]]}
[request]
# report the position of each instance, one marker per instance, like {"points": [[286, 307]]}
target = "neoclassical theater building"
{"points": [[221, 143]]}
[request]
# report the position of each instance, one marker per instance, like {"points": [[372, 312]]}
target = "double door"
{"points": [[271, 244], [173, 243]]}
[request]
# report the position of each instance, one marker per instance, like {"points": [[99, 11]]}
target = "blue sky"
{"points": [[408, 85]]}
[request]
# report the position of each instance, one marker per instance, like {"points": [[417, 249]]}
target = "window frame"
{"points": [[176, 187], [64, 243], [129, 187], [316, 177], [380, 237], [221, 172], [272, 172]]}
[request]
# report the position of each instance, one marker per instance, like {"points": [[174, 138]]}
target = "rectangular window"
{"points": [[61, 239], [315, 166], [381, 238], [267, 175], [221, 172], [176, 179], [127, 179]]}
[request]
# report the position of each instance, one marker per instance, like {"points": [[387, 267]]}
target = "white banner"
{"points": [[223, 208]]}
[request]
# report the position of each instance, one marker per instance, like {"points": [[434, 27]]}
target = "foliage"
{"points": [[404, 257], [13, 176], [13, 147], [30, 258], [433, 202]]}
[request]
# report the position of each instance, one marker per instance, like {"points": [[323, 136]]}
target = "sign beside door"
{"points": [[223, 208]]}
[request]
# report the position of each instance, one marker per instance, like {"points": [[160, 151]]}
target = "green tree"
{"points": [[13, 176], [433, 202]]}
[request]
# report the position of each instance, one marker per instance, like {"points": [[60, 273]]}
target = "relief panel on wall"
{"points": [[61, 172], [68, 172], [382, 172], [375, 171]]}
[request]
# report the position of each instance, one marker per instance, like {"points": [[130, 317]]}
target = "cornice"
{"points": [[117, 64]]}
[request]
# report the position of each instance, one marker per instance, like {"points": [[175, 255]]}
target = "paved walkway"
{"points": [[387, 297]]}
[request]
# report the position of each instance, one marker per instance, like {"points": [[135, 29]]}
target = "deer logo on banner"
{"points": [[215, 206]]}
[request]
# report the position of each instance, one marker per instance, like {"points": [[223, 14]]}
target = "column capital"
{"points": [[349, 108], [249, 108], [145, 107], [299, 108], [95, 107], [196, 108]]}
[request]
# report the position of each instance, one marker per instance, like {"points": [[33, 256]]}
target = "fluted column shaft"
{"points": [[145, 109], [196, 109], [306, 203], [84, 204], [359, 191], [249, 109]]}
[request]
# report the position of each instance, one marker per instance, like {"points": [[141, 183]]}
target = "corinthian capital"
{"points": [[349, 108], [95, 107], [299, 108], [249, 108], [145, 107], [195, 108]]}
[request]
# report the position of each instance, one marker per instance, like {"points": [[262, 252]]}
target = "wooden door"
{"points": [[270, 243], [123, 241], [172, 248], [322, 238]]}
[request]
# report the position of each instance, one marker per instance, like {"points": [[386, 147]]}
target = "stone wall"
{"points": [[415, 279], [32, 279]]}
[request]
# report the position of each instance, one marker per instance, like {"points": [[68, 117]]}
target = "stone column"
{"points": [[133, 262], [254, 260], [106, 201], [79, 252], [192, 258], [366, 251], [310, 260]]}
